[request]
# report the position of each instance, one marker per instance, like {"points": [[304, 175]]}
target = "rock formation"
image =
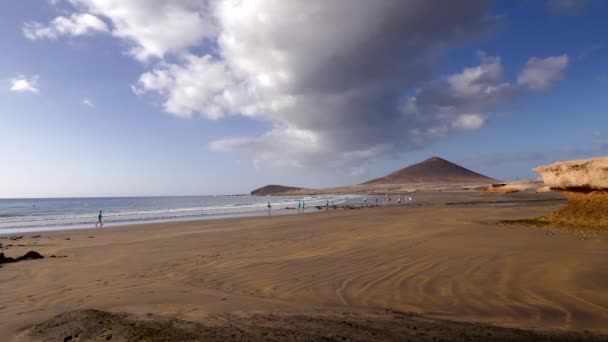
{"points": [[584, 183], [512, 186], [433, 170], [429, 175], [273, 190]]}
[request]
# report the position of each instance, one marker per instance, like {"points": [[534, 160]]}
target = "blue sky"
{"points": [[195, 98]]}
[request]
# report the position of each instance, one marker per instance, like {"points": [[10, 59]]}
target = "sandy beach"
{"points": [[451, 262]]}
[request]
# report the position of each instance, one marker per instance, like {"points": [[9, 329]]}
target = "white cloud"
{"points": [[332, 90], [541, 73], [155, 27], [24, 84], [469, 121], [312, 75], [88, 103], [77, 24], [436, 109]]}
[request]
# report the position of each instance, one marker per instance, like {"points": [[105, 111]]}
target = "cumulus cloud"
{"points": [[331, 89], [24, 84], [88, 103], [334, 91], [469, 121], [540, 73], [459, 102], [155, 27], [77, 24]]}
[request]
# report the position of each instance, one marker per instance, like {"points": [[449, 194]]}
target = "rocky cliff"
{"points": [[584, 183], [583, 173]]}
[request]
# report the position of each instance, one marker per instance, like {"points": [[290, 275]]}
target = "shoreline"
{"points": [[447, 262], [425, 198], [44, 215]]}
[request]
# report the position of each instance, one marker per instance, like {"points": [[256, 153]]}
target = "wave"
{"points": [[65, 217]]}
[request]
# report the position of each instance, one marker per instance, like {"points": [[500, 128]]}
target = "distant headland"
{"points": [[434, 173]]}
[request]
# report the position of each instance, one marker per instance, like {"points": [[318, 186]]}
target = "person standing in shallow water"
{"points": [[269, 208], [99, 220]]}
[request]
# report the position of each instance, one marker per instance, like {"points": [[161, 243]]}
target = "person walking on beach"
{"points": [[99, 220], [269, 208]]}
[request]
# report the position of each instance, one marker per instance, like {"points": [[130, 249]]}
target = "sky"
{"points": [[202, 97]]}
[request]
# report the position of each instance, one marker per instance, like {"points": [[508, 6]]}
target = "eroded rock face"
{"points": [[584, 183], [583, 173], [584, 208]]}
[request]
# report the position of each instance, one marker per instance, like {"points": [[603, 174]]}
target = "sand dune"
{"points": [[449, 262]]}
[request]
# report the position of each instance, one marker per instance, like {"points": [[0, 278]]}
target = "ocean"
{"points": [[44, 214]]}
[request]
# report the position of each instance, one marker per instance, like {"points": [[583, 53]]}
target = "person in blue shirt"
{"points": [[99, 220]]}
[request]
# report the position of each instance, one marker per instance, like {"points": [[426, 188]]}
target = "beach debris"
{"points": [[31, 255], [15, 238], [4, 260], [35, 236]]}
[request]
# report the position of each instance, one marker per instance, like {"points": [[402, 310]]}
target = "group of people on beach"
{"points": [[302, 205], [406, 199]]}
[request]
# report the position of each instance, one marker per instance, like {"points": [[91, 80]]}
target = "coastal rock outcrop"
{"points": [[513, 186], [273, 190], [584, 183]]}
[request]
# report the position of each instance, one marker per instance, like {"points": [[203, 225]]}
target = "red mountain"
{"points": [[433, 170]]}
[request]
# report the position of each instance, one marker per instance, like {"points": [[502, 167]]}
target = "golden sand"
{"points": [[450, 262]]}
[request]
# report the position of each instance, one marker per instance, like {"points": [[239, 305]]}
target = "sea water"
{"points": [[43, 214]]}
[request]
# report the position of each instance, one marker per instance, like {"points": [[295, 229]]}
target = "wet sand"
{"points": [[443, 261]]}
